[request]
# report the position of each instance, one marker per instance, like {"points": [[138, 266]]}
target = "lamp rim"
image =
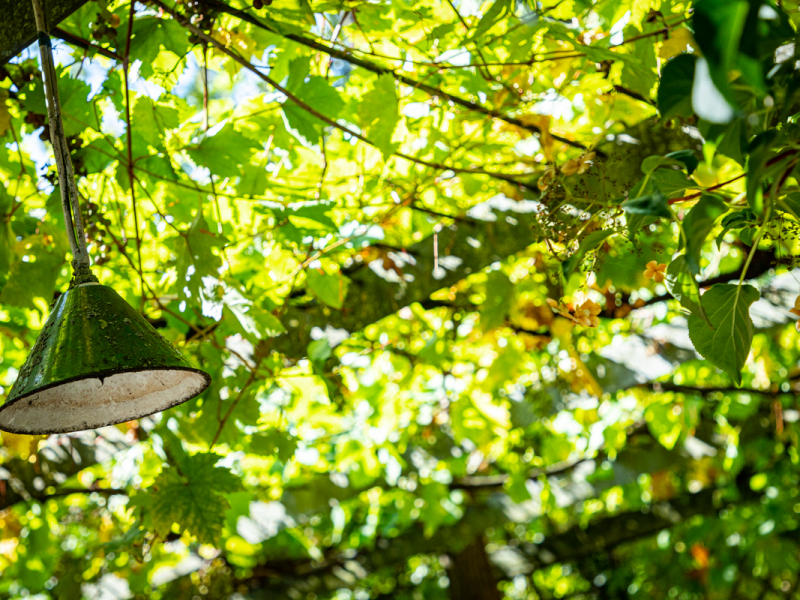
{"points": [[101, 375]]}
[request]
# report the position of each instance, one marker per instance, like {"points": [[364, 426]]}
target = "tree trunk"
{"points": [[472, 575]]}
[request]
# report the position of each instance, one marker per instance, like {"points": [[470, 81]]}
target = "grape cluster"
{"points": [[201, 16], [105, 26], [37, 120], [259, 4], [21, 73], [96, 226], [75, 143]]}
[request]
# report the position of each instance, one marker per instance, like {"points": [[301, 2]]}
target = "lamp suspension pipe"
{"points": [[97, 361], [66, 173]]}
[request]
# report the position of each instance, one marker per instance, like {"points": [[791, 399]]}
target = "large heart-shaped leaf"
{"points": [[725, 339]]}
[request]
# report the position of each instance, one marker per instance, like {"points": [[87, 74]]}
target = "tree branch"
{"points": [[184, 21], [74, 40], [470, 104]]}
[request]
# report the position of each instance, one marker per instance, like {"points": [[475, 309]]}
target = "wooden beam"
{"points": [[18, 28]]}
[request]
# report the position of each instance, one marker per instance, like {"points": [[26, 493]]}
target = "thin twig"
{"points": [[708, 189], [74, 40], [125, 68], [66, 173], [345, 55], [314, 112], [205, 87]]}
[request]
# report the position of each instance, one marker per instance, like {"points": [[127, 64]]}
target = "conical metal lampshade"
{"points": [[97, 362]]}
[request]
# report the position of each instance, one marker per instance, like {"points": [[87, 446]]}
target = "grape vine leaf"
{"points": [[28, 279], [192, 494], [329, 289], [196, 258], [76, 110], [315, 91], [499, 295], [379, 114], [225, 151], [725, 339], [274, 443]]}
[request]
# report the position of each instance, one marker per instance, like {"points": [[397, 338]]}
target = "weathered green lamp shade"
{"points": [[97, 362]]}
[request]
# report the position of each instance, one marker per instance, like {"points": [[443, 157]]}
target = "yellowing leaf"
{"points": [[680, 40], [5, 116]]}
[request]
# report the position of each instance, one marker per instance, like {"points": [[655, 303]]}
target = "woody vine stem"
{"points": [[66, 174]]}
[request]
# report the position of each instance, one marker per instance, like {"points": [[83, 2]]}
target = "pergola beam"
{"points": [[17, 25]]}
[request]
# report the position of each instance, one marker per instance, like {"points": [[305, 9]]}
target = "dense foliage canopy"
{"points": [[495, 296]]}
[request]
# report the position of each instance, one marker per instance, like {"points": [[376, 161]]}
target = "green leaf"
{"points": [[248, 319], [95, 156], [687, 157], [681, 283], [748, 235], [719, 26], [671, 183], [192, 495], [682, 159], [6, 236], [379, 114], [274, 443], [319, 351], [637, 223], [516, 487], [39, 260], [77, 112], [639, 72], [725, 339], [151, 122], [317, 93], [590, 242], [760, 152], [329, 289], [224, 152], [310, 219], [736, 220], [675, 89], [497, 11], [151, 35], [652, 205], [196, 258], [698, 224], [730, 139], [790, 203], [499, 294], [308, 12]]}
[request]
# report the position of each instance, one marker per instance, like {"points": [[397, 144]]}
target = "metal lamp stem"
{"points": [[66, 174], [97, 361]]}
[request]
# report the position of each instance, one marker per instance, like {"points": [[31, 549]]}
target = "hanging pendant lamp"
{"points": [[97, 361]]}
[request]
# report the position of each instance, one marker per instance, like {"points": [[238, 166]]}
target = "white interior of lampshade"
{"points": [[92, 403]]}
